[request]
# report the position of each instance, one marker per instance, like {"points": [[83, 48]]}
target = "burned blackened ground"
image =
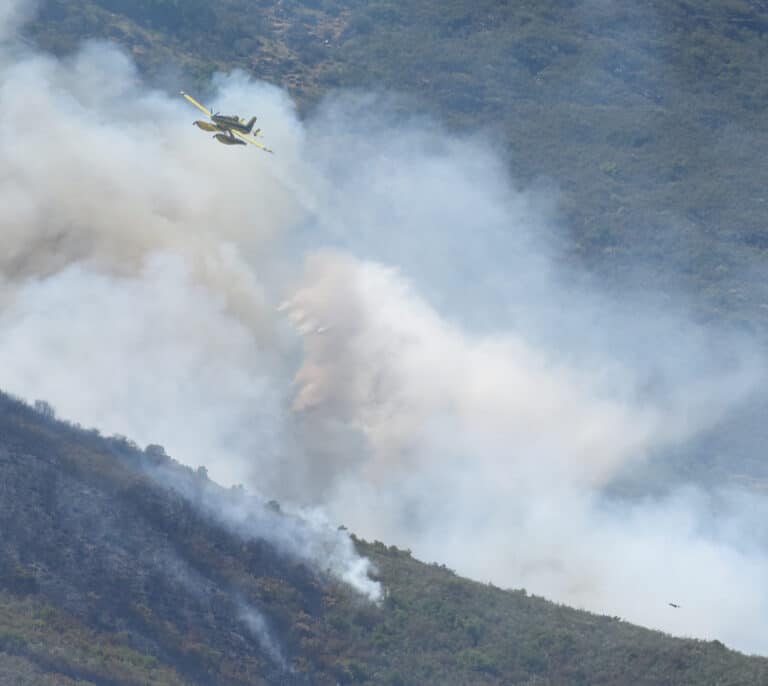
{"points": [[92, 535]]}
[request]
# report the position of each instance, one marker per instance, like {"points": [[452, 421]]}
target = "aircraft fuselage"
{"points": [[234, 123]]}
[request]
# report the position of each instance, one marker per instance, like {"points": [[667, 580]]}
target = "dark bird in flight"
{"points": [[673, 605]]}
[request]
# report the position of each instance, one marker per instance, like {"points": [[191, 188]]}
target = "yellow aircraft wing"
{"points": [[194, 102], [252, 141]]}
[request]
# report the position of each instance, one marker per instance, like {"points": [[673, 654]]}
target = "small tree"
{"points": [[45, 409]]}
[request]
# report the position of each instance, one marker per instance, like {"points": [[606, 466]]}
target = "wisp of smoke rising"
{"points": [[371, 321], [305, 534], [259, 628]]}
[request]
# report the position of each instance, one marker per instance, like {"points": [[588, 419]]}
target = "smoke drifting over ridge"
{"points": [[371, 321]]}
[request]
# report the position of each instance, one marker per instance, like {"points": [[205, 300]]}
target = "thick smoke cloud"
{"points": [[375, 321]]}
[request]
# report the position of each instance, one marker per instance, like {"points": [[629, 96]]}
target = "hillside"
{"points": [[649, 118], [512, 316], [111, 576]]}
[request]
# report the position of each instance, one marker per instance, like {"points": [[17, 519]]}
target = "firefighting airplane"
{"points": [[231, 130]]}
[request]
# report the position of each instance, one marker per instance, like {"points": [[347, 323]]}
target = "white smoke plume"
{"points": [[305, 534], [259, 628], [373, 320]]}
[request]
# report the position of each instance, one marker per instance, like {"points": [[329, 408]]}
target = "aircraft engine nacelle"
{"points": [[205, 125], [228, 140]]}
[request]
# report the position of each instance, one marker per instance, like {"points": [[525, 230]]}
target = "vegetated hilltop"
{"points": [[649, 116], [109, 576]]}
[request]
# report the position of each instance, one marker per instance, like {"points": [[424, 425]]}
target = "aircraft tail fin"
{"points": [[250, 124]]}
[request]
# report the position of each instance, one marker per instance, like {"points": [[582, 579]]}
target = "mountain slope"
{"points": [[117, 568]]}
